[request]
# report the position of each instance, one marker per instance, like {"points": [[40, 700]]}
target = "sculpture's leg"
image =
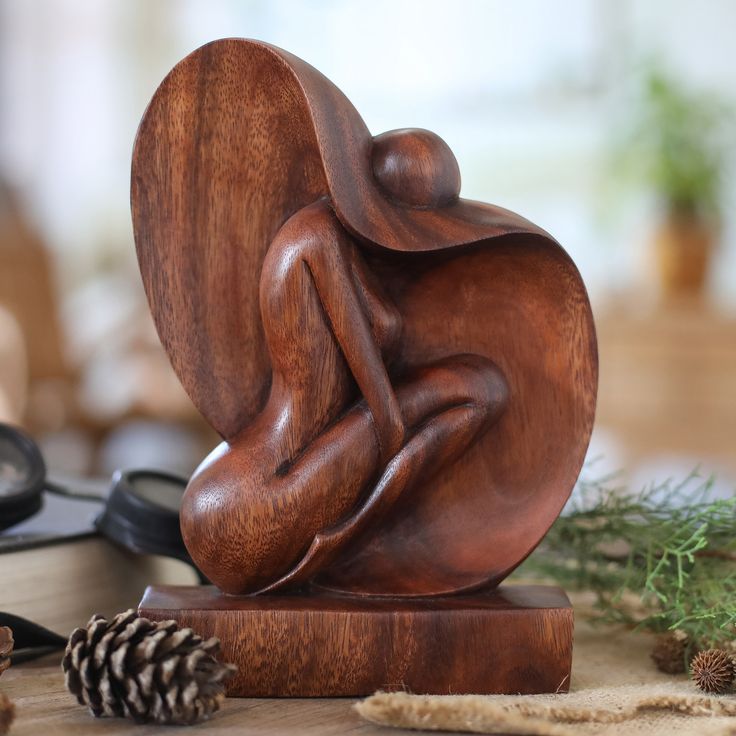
{"points": [[261, 524], [450, 404]]}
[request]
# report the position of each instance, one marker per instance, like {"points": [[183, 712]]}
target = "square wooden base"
{"points": [[515, 639]]}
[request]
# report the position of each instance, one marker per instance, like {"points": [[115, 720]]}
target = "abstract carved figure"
{"points": [[338, 443], [404, 380]]}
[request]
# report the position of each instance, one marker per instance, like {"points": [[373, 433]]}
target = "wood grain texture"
{"points": [[405, 380], [43, 706], [513, 639], [604, 657]]}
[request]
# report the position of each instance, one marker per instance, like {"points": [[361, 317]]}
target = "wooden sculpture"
{"points": [[404, 381]]}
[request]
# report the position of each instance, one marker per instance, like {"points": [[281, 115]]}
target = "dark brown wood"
{"points": [[513, 639], [405, 380]]}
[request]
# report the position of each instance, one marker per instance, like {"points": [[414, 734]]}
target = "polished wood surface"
{"points": [[512, 639], [405, 380]]}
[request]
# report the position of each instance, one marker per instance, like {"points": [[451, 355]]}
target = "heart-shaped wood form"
{"points": [[405, 381]]}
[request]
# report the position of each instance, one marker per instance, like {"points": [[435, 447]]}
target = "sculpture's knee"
{"points": [[481, 383]]}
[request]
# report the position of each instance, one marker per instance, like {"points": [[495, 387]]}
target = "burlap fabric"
{"points": [[615, 689]]}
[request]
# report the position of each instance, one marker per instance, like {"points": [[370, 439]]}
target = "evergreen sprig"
{"points": [[661, 559]]}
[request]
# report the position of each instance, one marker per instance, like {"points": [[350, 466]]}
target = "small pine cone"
{"points": [[670, 651], [713, 670], [6, 647], [153, 672], [7, 713]]}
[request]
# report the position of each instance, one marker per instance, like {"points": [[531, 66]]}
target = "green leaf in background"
{"points": [[673, 141], [662, 559]]}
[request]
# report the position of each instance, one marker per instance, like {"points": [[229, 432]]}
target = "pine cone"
{"points": [[6, 647], [149, 671], [670, 651], [7, 713], [713, 670]]}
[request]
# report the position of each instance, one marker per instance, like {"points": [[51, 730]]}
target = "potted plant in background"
{"points": [[674, 145]]}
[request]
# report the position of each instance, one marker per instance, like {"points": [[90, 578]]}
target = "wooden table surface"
{"points": [[45, 708]]}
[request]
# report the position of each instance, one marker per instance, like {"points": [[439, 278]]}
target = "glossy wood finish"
{"points": [[405, 380], [513, 639], [605, 658]]}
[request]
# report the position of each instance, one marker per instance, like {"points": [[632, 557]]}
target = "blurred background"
{"points": [[608, 122]]}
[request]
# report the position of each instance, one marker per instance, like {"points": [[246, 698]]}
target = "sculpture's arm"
{"points": [[384, 317], [329, 265]]}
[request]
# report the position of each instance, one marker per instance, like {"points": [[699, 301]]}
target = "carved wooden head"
{"points": [[405, 380]]}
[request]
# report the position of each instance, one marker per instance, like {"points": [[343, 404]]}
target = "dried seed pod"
{"points": [[713, 670], [670, 652], [149, 671], [6, 647], [7, 714]]}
